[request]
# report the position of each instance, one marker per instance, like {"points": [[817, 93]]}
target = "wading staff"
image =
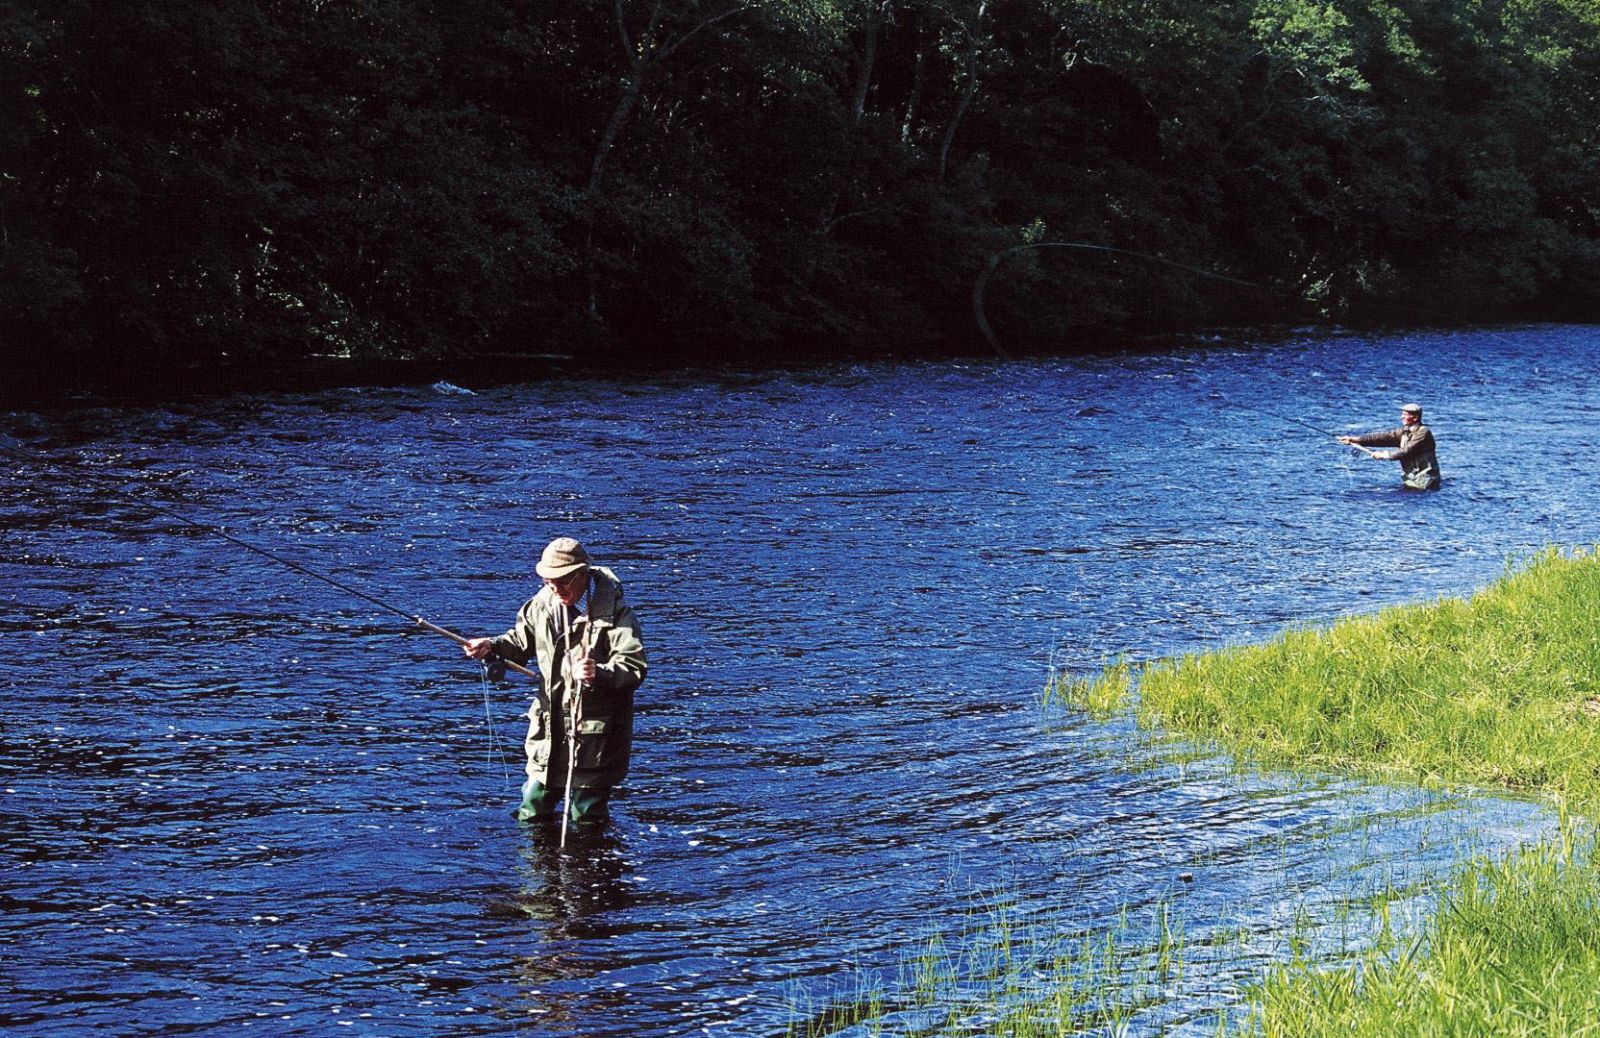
{"points": [[575, 710], [573, 705]]}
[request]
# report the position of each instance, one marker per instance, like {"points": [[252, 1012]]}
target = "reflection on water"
{"points": [[575, 893], [236, 798]]}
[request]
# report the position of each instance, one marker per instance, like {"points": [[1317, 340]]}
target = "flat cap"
{"points": [[562, 556]]}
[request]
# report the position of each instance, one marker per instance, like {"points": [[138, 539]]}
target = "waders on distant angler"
{"points": [[1413, 445]]}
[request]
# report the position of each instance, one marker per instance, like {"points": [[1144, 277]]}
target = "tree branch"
{"points": [[667, 50]]}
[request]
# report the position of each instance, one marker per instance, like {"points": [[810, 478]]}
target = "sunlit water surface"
{"points": [[240, 800]]}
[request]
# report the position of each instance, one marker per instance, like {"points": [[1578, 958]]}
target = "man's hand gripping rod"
{"points": [[453, 636]]}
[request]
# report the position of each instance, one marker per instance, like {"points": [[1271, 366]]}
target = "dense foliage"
{"points": [[189, 181]]}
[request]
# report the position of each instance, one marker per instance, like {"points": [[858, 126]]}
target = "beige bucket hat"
{"points": [[561, 557]]}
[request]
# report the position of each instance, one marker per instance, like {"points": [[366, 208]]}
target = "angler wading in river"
{"points": [[586, 642], [1419, 462]]}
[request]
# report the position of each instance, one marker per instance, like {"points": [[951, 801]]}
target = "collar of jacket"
{"points": [[604, 594]]}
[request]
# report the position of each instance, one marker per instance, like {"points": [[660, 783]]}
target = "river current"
{"points": [[238, 800]]}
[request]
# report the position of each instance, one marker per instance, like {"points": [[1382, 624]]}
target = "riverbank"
{"points": [[60, 383], [45, 384], [773, 175], [1501, 689], [1497, 690]]}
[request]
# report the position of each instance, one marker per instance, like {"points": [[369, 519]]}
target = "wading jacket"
{"points": [[1418, 461], [605, 712]]}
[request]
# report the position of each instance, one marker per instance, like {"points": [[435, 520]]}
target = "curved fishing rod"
{"points": [[1220, 395], [979, 286], [10, 448]]}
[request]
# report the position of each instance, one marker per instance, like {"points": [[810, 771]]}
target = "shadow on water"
{"points": [[234, 798]]}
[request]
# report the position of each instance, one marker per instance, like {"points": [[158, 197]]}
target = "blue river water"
{"points": [[241, 801]]}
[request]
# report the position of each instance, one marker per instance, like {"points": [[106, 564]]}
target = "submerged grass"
{"points": [[1099, 695], [1499, 689], [1511, 951], [1002, 974]]}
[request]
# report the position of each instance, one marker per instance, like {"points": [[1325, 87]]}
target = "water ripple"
{"points": [[236, 798]]}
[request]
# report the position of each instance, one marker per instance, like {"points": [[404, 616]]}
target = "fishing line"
{"points": [[216, 531], [9, 447], [494, 737]]}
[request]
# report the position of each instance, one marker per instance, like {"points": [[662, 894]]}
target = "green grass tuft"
{"points": [[1502, 689], [1512, 951], [1100, 695]]}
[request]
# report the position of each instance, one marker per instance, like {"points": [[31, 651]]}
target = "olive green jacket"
{"points": [[605, 706], [1419, 462]]}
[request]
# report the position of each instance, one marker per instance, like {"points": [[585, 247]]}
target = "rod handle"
{"points": [[459, 640]]}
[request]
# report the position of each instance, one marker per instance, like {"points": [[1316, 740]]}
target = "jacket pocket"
{"points": [[593, 734], [537, 744]]}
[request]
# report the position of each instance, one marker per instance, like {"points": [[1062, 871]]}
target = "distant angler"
{"points": [[1414, 448]]}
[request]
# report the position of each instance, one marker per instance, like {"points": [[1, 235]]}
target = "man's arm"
{"points": [[624, 667], [515, 645], [1388, 438]]}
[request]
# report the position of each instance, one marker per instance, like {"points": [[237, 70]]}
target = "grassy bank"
{"points": [[1502, 689], [1497, 690]]}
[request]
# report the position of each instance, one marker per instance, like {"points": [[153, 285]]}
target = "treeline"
{"points": [[204, 182]]}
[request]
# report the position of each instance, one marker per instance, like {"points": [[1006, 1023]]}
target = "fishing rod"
{"points": [[9, 447], [1286, 418], [981, 320]]}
